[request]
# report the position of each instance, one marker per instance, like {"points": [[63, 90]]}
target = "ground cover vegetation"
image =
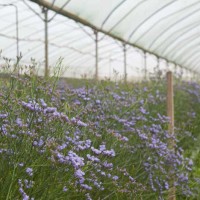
{"points": [[102, 140]]}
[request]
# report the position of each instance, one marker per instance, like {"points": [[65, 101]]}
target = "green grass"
{"points": [[129, 119]]}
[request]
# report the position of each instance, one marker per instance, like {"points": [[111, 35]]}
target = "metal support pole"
{"points": [[175, 69], [167, 66], [17, 30], [145, 66], [17, 25], [157, 68], [110, 60], [158, 63], [170, 114], [45, 11], [96, 55], [125, 63]]}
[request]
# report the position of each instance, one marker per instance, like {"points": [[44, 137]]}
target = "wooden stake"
{"points": [[170, 114], [170, 101]]}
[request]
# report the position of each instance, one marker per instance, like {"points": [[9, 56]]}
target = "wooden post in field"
{"points": [[170, 114]]}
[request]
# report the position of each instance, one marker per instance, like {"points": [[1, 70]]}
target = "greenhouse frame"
{"points": [[99, 99], [158, 31]]}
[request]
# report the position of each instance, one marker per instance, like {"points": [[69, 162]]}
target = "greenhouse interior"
{"points": [[99, 99]]}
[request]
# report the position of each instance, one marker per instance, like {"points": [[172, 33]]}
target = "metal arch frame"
{"points": [[80, 60], [86, 23], [71, 48], [196, 24], [186, 46], [141, 48], [75, 37], [172, 25], [195, 64], [41, 30], [196, 67], [53, 3], [126, 15], [72, 58], [82, 28], [100, 59], [153, 14], [52, 44], [75, 40], [24, 25], [24, 40], [37, 14], [161, 19], [113, 10], [190, 56], [65, 4], [195, 58]]}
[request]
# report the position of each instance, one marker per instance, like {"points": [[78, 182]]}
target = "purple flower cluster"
{"points": [[105, 140]]}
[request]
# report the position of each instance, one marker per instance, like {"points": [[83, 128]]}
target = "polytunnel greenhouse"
{"points": [[99, 99]]}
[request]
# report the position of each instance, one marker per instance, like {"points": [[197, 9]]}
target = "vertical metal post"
{"points": [[46, 73], [145, 66], [170, 114], [158, 63], [125, 63], [175, 69], [158, 72], [17, 25], [96, 55], [17, 30], [167, 66], [110, 67]]}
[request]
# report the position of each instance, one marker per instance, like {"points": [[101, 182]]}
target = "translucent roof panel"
{"points": [[167, 28]]}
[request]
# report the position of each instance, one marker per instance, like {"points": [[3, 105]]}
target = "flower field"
{"points": [[100, 140]]}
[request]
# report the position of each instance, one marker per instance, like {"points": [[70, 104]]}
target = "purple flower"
{"points": [[29, 171], [98, 101], [143, 111], [96, 151], [65, 189], [109, 152], [102, 147], [107, 165], [3, 116], [85, 186], [19, 122], [115, 178], [92, 158], [44, 105], [190, 163]]}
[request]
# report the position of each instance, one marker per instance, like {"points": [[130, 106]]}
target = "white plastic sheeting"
{"points": [[166, 28]]}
